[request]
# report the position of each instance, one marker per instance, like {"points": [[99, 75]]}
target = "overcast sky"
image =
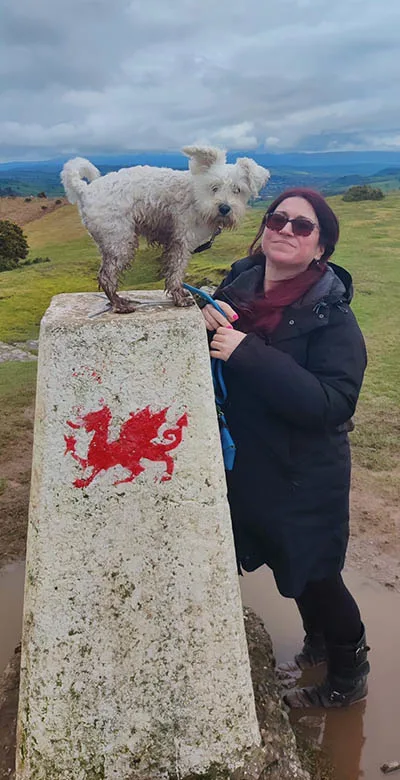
{"points": [[89, 76]]}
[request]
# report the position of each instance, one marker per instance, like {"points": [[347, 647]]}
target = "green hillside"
{"points": [[369, 247]]}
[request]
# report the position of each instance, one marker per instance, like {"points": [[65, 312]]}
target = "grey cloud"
{"points": [[89, 75], [28, 32]]}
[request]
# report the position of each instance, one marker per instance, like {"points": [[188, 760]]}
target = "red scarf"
{"points": [[267, 310]]}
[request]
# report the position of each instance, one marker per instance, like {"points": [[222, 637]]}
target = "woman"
{"points": [[293, 364]]}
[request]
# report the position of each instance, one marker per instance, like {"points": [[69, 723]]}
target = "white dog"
{"points": [[179, 210]]}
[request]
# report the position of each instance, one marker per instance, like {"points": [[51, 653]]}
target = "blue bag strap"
{"points": [[220, 390]]}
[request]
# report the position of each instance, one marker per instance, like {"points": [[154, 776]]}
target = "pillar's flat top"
{"points": [[94, 307]]}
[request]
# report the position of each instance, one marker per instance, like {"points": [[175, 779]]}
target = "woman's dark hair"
{"points": [[327, 220]]}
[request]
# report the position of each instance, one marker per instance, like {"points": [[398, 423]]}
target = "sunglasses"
{"points": [[301, 226]]}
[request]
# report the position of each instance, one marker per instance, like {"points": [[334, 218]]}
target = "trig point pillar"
{"points": [[134, 658]]}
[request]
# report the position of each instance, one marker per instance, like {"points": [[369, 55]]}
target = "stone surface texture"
{"points": [[134, 657], [281, 760]]}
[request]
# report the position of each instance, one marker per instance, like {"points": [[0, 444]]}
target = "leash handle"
{"points": [[220, 391], [216, 365], [206, 297]]}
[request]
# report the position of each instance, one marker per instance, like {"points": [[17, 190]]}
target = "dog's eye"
{"points": [[215, 188], [235, 189]]}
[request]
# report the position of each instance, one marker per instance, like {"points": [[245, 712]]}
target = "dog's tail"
{"points": [[73, 177]]}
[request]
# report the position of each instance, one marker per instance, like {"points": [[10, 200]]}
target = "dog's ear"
{"points": [[203, 157], [254, 175]]}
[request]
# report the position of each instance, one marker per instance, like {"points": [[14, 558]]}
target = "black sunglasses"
{"points": [[301, 226]]}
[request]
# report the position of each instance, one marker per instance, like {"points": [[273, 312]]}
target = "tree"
{"points": [[13, 245], [363, 192]]}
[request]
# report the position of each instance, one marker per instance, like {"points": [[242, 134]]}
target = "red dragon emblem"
{"points": [[138, 438]]}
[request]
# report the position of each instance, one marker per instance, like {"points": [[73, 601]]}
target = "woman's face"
{"points": [[284, 248]]}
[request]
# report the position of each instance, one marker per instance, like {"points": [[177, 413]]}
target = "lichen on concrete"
{"points": [[280, 762]]}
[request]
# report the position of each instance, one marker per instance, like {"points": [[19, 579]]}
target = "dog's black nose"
{"points": [[224, 209]]}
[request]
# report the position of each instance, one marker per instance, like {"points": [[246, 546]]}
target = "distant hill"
{"points": [[331, 173], [387, 179], [387, 172], [349, 180]]}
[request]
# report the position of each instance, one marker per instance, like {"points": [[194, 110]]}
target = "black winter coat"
{"points": [[290, 397]]}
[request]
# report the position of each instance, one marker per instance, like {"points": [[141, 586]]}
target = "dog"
{"points": [[179, 210]]}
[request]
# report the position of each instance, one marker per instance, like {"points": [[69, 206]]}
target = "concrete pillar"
{"points": [[134, 658]]}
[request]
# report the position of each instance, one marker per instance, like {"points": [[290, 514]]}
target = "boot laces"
{"points": [[337, 696], [362, 649]]}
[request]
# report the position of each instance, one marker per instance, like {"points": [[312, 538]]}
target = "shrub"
{"points": [[58, 201], [40, 260], [13, 245], [42, 195], [363, 192], [43, 208], [28, 200], [36, 260]]}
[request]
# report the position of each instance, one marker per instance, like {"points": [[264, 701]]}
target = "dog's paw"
{"points": [[181, 297], [184, 302], [123, 306]]}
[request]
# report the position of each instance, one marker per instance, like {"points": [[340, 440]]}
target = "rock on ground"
{"points": [[18, 351], [282, 760]]}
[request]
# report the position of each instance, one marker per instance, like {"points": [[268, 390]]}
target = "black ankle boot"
{"points": [[312, 654], [346, 682]]}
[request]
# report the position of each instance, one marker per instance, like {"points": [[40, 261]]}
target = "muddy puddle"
{"points": [[11, 600], [360, 739], [357, 740]]}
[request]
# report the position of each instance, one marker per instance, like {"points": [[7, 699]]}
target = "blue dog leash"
{"points": [[220, 391]]}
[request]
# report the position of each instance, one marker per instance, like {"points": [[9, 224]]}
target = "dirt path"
{"points": [[375, 525]]}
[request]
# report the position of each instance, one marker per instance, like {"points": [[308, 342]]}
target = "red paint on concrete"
{"points": [[138, 439]]}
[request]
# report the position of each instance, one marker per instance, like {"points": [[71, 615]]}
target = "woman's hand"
{"points": [[214, 318], [225, 341]]}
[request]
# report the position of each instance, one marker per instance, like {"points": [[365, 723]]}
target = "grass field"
{"points": [[17, 390], [369, 248]]}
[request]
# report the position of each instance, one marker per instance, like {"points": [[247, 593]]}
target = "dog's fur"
{"points": [[178, 209]]}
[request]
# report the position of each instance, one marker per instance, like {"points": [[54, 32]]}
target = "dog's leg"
{"points": [[108, 281], [112, 265], [174, 261]]}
